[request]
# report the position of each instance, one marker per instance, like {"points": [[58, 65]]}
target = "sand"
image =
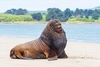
{"points": [[80, 55]]}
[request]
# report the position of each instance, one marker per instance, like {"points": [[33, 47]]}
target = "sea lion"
{"points": [[50, 44]]}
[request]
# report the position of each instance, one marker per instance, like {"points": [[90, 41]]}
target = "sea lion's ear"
{"points": [[51, 55]]}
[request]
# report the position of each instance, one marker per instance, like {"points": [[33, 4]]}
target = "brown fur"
{"points": [[50, 44], [54, 36]]}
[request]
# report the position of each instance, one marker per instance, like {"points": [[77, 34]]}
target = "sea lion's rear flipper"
{"points": [[51, 55], [18, 55], [63, 55]]}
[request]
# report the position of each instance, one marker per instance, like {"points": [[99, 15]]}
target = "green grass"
{"points": [[75, 19], [15, 18], [28, 18], [19, 18]]}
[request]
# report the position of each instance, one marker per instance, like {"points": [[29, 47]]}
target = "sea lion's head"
{"points": [[55, 26]]}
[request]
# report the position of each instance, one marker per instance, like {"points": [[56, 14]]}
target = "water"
{"points": [[75, 32], [83, 32]]}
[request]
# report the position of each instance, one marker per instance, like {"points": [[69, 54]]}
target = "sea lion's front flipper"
{"points": [[51, 55]]}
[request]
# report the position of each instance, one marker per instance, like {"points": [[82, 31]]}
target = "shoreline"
{"points": [[48, 21], [80, 55]]}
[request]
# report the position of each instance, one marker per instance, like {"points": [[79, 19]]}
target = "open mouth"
{"points": [[59, 27]]}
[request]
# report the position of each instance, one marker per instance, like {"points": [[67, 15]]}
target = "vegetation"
{"points": [[79, 15], [37, 16], [15, 18], [32, 12], [20, 11]]}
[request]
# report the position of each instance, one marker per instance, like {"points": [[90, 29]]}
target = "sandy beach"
{"points": [[80, 55]]}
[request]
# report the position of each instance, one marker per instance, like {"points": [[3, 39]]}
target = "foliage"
{"points": [[37, 16], [78, 15], [20, 11], [68, 13], [95, 16], [56, 13]]}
